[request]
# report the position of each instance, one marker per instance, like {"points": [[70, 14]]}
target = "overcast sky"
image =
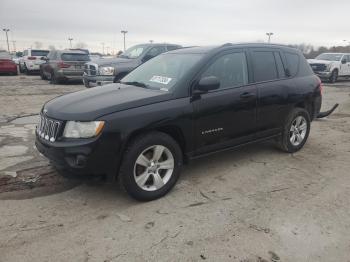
{"points": [[187, 22]]}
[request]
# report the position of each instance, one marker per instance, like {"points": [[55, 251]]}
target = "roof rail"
{"points": [[227, 44]]}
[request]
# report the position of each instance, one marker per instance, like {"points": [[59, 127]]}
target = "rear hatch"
{"points": [[74, 63], [36, 55]]}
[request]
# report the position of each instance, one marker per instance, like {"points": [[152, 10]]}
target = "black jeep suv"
{"points": [[178, 106]]}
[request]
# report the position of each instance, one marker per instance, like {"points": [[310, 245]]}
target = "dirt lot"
{"points": [[255, 204]]}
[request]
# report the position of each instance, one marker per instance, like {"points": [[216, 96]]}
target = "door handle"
{"points": [[246, 95]]}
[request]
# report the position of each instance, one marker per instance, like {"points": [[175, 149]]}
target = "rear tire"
{"points": [[295, 131], [334, 76], [151, 166], [54, 80]]}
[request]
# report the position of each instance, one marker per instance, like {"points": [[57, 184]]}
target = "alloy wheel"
{"points": [[153, 168], [298, 131]]}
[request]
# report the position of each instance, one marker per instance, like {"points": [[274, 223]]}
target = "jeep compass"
{"points": [[178, 106]]}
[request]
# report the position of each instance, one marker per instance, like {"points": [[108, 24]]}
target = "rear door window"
{"points": [[293, 63], [264, 66], [74, 57]]}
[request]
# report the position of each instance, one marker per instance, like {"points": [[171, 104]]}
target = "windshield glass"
{"points": [[330, 57], [162, 72], [133, 52], [75, 57], [40, 52]]}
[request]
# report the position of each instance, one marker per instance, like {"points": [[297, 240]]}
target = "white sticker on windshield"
{"points": [[161, 79]]}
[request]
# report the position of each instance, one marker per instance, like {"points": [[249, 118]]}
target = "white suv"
{"points": [[31, 60], [330, 66]]}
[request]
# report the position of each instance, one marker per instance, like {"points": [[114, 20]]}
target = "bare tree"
{"points": [[38, 44], [81, 45]]}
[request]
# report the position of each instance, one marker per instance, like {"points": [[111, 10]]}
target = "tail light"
{"points": [[61, 64], [31, 58], [320, 86]]}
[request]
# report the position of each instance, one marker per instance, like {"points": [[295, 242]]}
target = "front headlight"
{"points": [[74, 129], [329, 67], [106, 70]]}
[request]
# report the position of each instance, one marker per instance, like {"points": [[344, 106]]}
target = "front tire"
{"points": [[151, 166], [334, 76], [42, 75], [295, 131]]}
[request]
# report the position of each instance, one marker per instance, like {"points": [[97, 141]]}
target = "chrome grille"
{"points": [[318, 67], [48, 129], [90, 69]]}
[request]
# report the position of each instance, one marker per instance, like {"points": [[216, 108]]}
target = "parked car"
{"points": [[181, 105], [31, 60], [107, 71], [95, 56], [7, 65], [331, 66], [63, 65]]}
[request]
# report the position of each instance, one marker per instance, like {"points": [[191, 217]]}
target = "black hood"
{"points": [[90, 104]]}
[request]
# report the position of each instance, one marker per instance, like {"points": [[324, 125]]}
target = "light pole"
{"points": [[107, 48], [7, 38], [124, 33], [269, 35], [70, 41]]}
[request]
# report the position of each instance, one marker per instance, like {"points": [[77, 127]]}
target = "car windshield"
{"points": [[133, 52], [40, 52], [75, 57], [162, 72], [329, 57]]}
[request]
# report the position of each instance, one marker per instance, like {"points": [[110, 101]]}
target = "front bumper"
{"points": [[82, 157], [323, 74], [97, 80]]}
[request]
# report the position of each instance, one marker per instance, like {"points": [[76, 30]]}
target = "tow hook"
{"points": [[327, 113]]}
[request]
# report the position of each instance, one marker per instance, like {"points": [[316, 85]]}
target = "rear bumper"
{"points": [[82, 157], [97, 80], [70, 75]]}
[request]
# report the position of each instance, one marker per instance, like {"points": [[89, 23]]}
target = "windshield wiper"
{"points": [[135, 83]]}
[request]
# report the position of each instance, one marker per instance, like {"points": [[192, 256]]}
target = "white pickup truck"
{"points": [[331, 66]]}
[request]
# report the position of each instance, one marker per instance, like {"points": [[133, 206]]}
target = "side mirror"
{"points": [[44, 58], [208, 83], [343, 61]]}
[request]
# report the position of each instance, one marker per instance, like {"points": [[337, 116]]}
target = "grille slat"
{"points": [[48, 129]]}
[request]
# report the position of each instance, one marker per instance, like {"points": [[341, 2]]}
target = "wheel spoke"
{"points": [[292, 139], [142, 160], [157, 180], [157, 152], [303, 126], [299, 138], [167, 164], [142, 179], [298, 121]]}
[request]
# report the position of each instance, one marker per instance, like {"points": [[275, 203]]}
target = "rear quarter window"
{"points": [[293, 63]]}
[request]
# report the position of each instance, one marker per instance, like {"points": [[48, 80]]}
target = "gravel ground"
{"points": [[255, 204]]}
